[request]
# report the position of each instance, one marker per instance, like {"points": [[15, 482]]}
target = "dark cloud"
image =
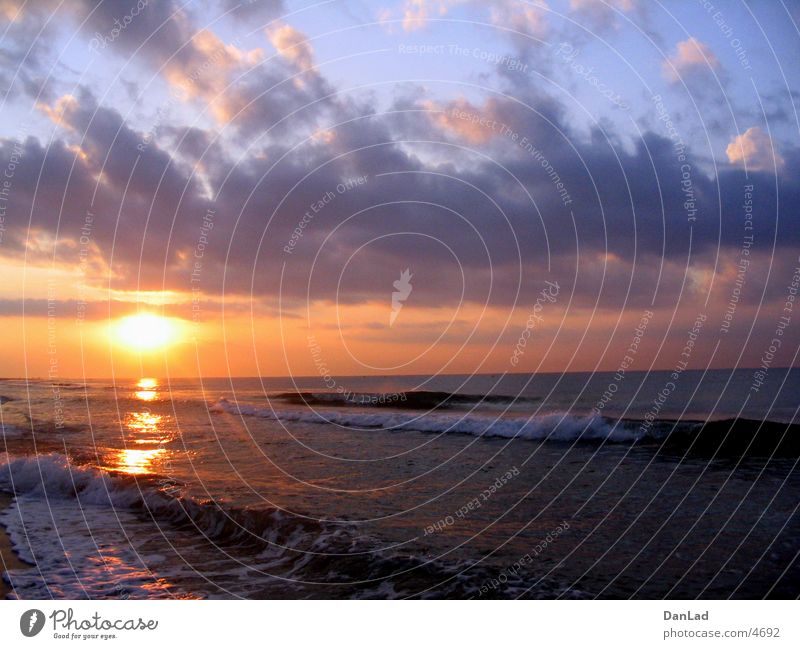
{"points": [[440, 208]]}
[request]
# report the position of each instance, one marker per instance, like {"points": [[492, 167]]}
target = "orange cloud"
{"points": [[293, 45], [690, 55], [9, 9], [214, 61], [754, 150], [59, 113], [324, 136], [207, 76], [461, 118]]}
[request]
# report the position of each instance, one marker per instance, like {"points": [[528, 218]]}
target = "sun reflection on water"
{"points": [[144, 436], [138, 462], [148, 389], [145, 423]]}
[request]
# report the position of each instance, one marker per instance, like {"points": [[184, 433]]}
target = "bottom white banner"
{"points": [[401, 624]]}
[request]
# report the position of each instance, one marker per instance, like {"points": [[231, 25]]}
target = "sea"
{"points": [[493, 486]]}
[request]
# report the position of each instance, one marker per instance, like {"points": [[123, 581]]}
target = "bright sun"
{"points": [[145, 331]]}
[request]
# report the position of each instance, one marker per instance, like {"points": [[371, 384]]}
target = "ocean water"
{"points": [[486, 486]]}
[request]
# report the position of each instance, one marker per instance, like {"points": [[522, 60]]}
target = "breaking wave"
{"points": [[721, 438], [417, 399], [59, 501], [554, 427]]}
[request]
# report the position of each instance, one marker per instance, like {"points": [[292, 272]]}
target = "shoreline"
{"points": [[8, 558]]}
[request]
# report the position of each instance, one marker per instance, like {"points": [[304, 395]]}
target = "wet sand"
{"points": [[8, 558]]}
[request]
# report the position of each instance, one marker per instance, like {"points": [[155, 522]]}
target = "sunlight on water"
{"points": [[147, 389], [144, 435], [145, 423], [138, 462]]}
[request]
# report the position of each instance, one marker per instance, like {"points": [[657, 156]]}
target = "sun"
{"points": [[146, 332]]}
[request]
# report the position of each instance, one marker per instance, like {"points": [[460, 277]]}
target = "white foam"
{"points": [[90, 534], [76, 551], [52, 475], [554, 427], [61, 523]]}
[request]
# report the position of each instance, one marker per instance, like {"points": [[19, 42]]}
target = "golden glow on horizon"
{"points": [[146, 332]]}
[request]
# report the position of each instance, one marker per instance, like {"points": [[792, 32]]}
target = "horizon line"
{"points": [[364, 376]]}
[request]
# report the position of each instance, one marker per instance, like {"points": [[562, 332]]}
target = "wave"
{"points": [[275, 552], [720, 438], [554, 427], [733, 438], [416, 400], [53, 475]]}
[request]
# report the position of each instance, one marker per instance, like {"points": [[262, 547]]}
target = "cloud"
{"points": [[214, 62], [224, 76], [478, 188], [293, 45], [602, 5], [475, 175], [691, 56], [27, 53], [163, 36], [249, 11], [137, 194], [527, 18], [755, 151], [64, 106], [9, 9], [502, 207], [464, 121], [602, 14], [416, 13]]}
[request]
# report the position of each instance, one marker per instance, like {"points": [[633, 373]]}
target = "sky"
{"points": [[571, 185]]}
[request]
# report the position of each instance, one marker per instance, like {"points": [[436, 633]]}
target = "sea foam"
{"points": [[559, 427]]}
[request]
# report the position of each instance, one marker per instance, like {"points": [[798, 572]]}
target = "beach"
{"points": [[9, 559]]}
